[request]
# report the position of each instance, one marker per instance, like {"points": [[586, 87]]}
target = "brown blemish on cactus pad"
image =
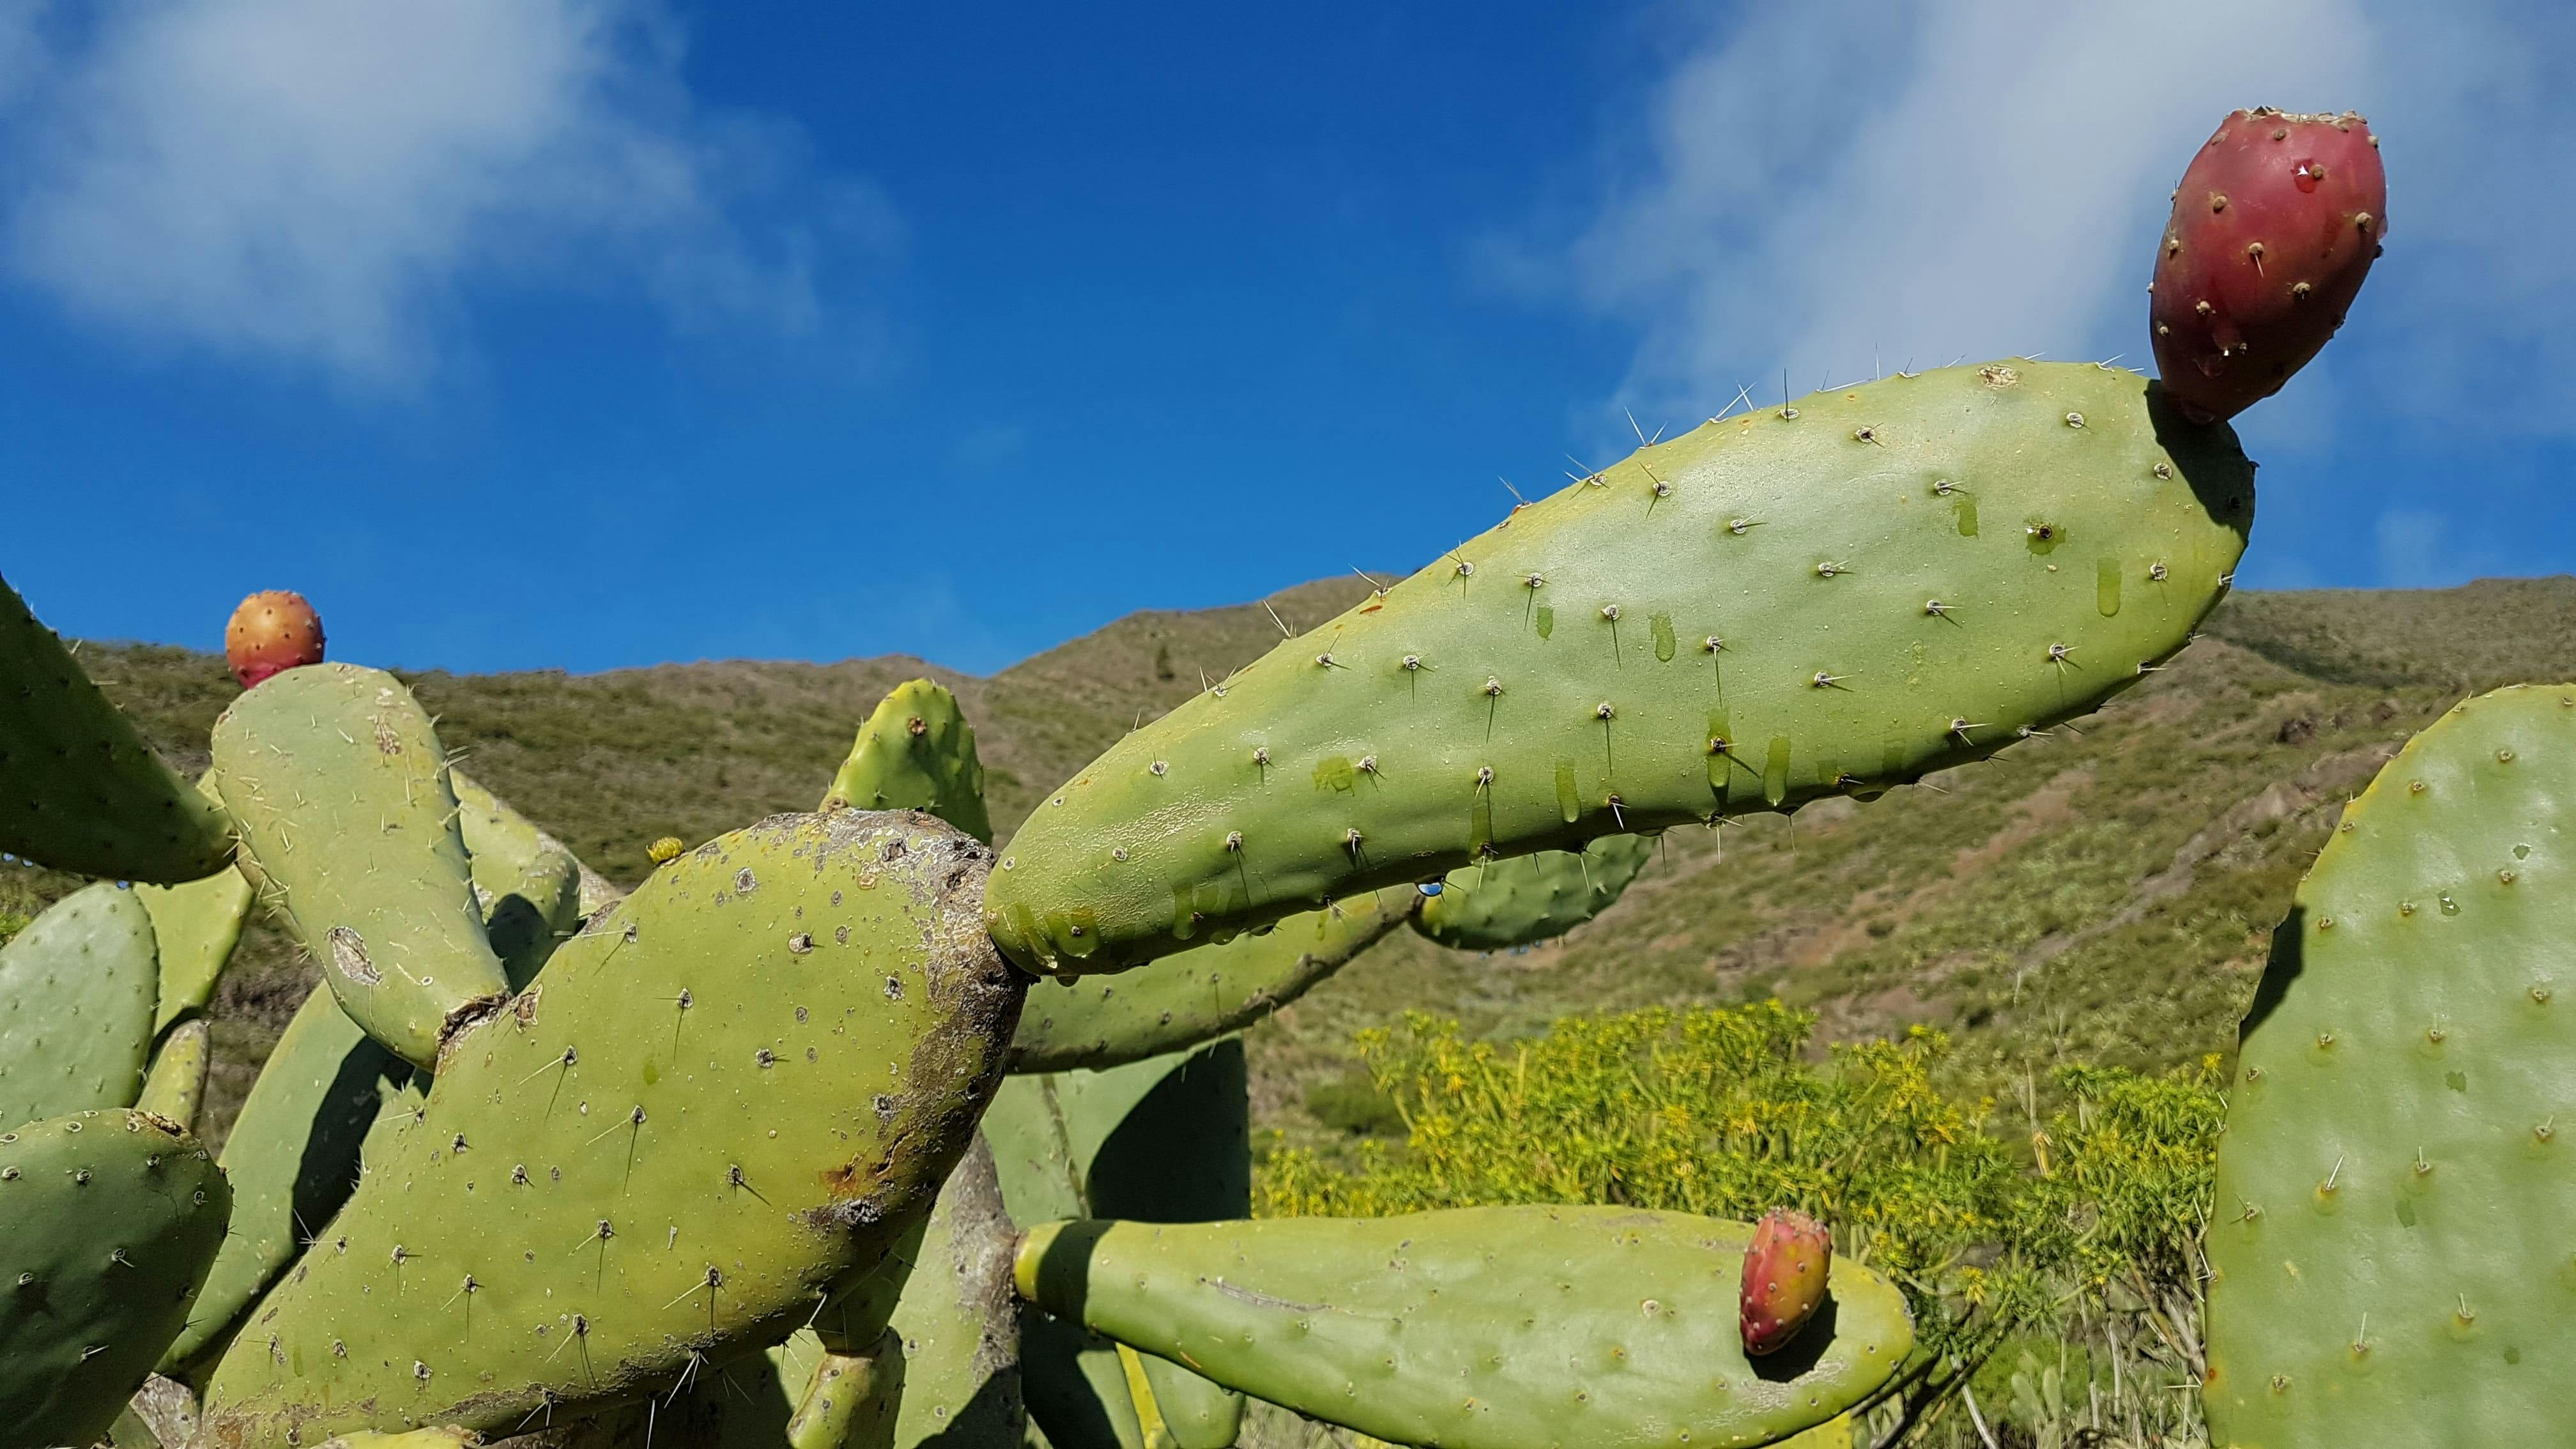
{"points": [[349, 956]]}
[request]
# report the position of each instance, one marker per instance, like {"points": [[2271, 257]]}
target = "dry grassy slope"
{"points": [[2102, 894]]}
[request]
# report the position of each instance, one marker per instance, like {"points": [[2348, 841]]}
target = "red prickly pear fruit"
{"points": [[272, 631], [2274, 226], [1784, 1279]]}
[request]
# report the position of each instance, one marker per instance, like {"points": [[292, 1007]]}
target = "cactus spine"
{"points": [[1830, 598]]}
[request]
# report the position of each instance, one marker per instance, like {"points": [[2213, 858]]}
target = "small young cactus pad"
{"points": [[527, 884], [916, 752], [1831, 598], [1500, 905], [744, 1082], [1784, 1279], [1474, 1328], [76, 1006], [2273, 230], [349, 826], [79, 790], [2389, 1251], [1197, 996], [112, 1219], [270, 632], [175, 1084], [196, 925]]}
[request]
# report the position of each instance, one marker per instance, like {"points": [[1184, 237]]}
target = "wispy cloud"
{"points": [[317, 183], [1853, 185]]}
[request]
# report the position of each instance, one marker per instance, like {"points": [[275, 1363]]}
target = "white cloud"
{"points": [[314, 181], [1850, 184]]}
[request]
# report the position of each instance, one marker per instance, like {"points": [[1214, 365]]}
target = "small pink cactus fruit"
{"points": [[2273, 229], [1784, 1279], [272, 631]]}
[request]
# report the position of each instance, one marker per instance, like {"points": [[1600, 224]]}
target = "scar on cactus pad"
{"points": [[1784, 1279], [272, 631], [2275, 225]]}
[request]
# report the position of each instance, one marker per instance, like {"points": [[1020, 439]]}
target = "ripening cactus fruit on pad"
{"points": [[1499, 905], [2393, 1234], [292, 1158], [2274, 227], [350, 827], [76, 1006], [1475, 1328], [79, 790], [1829, 598], [1785, 1272], [1196, 996], [270, 632], [112, 1219], [745, 1081], [916, 752]]}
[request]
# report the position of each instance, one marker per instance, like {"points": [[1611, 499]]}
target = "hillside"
{"points": [[2104, 893]]}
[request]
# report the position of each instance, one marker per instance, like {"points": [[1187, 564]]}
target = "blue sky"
{"points": [[589, 333]]}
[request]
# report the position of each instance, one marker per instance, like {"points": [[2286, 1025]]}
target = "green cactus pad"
{"points": [[1475, 1328], [1167, 1139], [2398, 1135], [851, 1401], [1498, 905], [112, 1219], [196, 924], [916, 752], [76, 1006], [292, 1159], [1831, 598], [744, 1082], [350, 827], [527, 883], [959, 1321], [79, 790], [175, 1083], [1197, 996]]}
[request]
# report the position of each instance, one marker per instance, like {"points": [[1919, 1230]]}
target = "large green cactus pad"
{"points": [[112, 1220], [916, 752], [76, 1006], [1830, 598], [1476, 1328], [1498, 905], [745, 1081], [2393, 1257], [292, 1158], [1166, 1140], [350, 826], [79, 790], [1178, 1002]]}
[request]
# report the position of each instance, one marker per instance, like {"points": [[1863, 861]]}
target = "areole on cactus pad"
{"points": [[1827, 598]]}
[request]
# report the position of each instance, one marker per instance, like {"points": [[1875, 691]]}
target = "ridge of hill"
{"points": [[2105, 893]]}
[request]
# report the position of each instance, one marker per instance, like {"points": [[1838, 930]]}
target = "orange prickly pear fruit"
{"points": [[1784, 1278], [273, 630]]}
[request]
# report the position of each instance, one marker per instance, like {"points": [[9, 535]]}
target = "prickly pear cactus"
{"points": [[113, 1218], [916, 752], [349, 826], [852, 1399], [2389, 1257], [79, 790], [1476, 1328], [744, 1082], [1165, 1140], [1499, 905], [1181, 1001], [175, 1083], [292, 1159], [526, 883], [1785, 1273], [76, 1006], [195, 926], [958, 1320], [1828, 598]]}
